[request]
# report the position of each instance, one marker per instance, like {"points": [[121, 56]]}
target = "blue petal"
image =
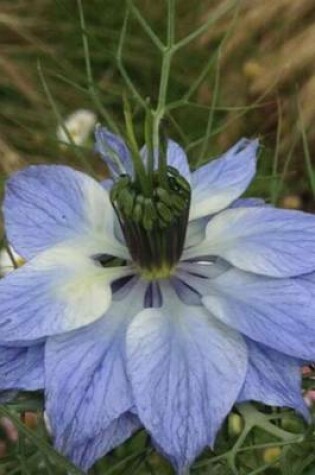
{"points": [[248, 203], [61, 289], [87, 453], [109, 145], [273, 378], [196, 232], [196, 229], [278, 313], [175, 156], [107, 184], [186, 372], [45, 205], [86, 383], [216, 185], [22, 368], [267, 241]]}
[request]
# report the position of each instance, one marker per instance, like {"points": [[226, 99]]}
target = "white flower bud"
{"points": [[79, 125]]}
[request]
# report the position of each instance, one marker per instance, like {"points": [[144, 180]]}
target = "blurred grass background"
{"points": [[266, 84], [263, 85]]}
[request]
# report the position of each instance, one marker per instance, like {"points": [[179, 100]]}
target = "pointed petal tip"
{"points": [[221, 181], [172, 366]]}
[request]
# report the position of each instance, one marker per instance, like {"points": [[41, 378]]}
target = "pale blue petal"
{"points": [[175, 156], [196, 229], [185, 292], [216, 185], [248, 203], [86, 383], [273, 379], [87, 453], [22, 368], [309, 281], [186, 372], [111, 148], [46, 205], [192, 279], [86, 387], [276, 312], [107, 184], [196, 232], [267, 241], [61, 289]]}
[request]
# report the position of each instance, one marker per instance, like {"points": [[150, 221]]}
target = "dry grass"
{"points": [[270, 53]]}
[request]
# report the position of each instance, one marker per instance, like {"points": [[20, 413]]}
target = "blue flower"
{"points": [[157, 303]]}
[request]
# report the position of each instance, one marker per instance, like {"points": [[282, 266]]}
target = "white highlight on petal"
{"points": [[62, 289], [78, 282], [100, 219], [79, 125]]}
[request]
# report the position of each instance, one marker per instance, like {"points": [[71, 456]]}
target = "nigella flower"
{"points": [[156, 300]]}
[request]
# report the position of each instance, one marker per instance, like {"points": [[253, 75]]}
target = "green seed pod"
{"points": [[137, 213], [147, 220], [172, 171], [164, 213], [163, 195], [182, 184], [150, 206], [126, 201], [178, 203], [123, 182]]}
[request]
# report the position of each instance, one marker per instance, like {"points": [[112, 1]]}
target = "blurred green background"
{"points": [[266, 84]]}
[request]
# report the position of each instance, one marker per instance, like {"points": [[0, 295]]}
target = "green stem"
{"points": [[137, 161], [159, 112], [205, 144], [254, 418], [40, 443], [276, 431], [307, 155], [147, 28], [90, 81], [219, 13], [160, 109], [120, 63], [274, 180], [60, 121], [149, 143]]}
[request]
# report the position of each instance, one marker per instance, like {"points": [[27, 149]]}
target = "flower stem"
{"points": [[254, 418], [137, 161], [159, 112]]}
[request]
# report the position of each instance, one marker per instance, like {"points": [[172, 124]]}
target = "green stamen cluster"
{"points": [[154, 225]]}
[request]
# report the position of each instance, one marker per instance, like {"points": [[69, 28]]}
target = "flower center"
{"points": [[154, 226]]}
